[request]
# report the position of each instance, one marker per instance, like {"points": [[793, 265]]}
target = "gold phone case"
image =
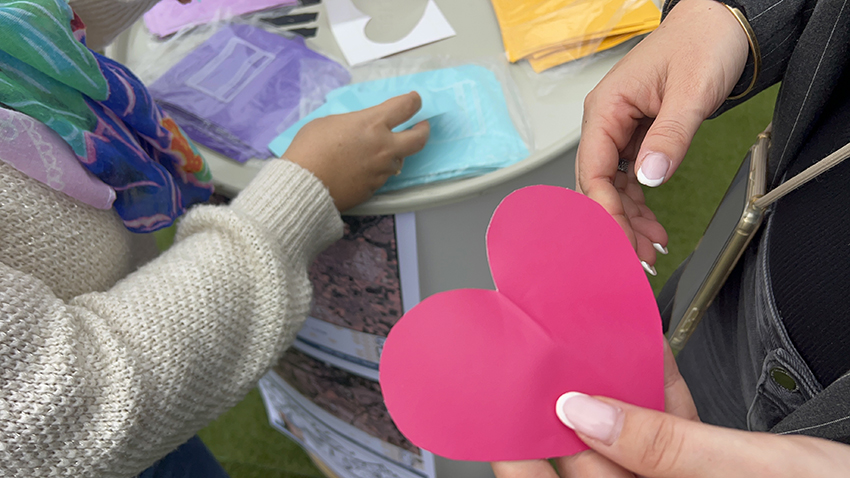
{"points": [[722, 244]]}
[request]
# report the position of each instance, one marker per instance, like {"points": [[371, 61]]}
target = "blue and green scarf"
{"points": [[101, 110]]}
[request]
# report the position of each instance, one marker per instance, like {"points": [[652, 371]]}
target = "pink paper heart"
{"points": [[474, 374]]}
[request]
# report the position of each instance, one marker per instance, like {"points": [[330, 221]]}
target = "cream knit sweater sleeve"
{"points": [[105, 383]]}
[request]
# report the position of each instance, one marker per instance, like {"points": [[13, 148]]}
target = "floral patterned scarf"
{"points": [[101, 110]]}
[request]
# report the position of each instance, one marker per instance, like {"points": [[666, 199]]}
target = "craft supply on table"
{"points": [[471, 128], [241, 88], [348, 25], [475, 374], [551, 32], [294, 19], [301, 24], [169, 16], [304, 32]]}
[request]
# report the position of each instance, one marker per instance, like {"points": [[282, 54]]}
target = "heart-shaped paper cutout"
{"points": [[474, 374], [390, 20]]}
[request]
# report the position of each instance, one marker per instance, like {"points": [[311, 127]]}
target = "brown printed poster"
{"points": [[356, 281], [362, 286], [324, 392], [352, 399]]}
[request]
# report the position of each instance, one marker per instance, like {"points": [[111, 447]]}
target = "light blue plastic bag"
{"points": [[471, 128]]}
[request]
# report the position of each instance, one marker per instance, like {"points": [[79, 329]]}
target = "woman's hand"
{"points": [[652, 444], [677, 402], [355, 153], [628, 441], [647, 109]]}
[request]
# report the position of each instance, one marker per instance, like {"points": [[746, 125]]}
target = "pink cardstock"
{"points": [[474, 374]]}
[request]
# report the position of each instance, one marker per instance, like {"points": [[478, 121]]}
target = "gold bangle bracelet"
{"points": [[754, 47]]}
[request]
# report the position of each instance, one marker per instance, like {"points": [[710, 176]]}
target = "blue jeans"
{"points": [[191, 460]]}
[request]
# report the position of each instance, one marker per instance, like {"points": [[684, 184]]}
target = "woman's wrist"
{"points": [[722, 29], [754, 49]]}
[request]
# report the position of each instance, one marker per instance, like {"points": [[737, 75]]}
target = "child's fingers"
{"points": [[392, 168], [396, 111], [410, 142]]}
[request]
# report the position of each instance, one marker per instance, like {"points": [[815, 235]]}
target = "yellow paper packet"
{"points": [[632, 30], [529, 26], [559, 57]]}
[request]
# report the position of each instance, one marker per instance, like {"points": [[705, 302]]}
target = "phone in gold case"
{"points": [[730, 231]]}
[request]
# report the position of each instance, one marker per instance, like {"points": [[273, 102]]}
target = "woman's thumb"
{"points": [[666, 142], [651, 443]]}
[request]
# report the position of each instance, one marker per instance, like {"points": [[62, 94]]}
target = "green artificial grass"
{"points": [[248, 447], [165, 237]]}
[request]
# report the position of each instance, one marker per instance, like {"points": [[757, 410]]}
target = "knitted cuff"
{"points": [[293, 206]]}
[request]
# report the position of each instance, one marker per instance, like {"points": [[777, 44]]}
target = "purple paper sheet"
{"points": [[244, 86], [169, 16]]}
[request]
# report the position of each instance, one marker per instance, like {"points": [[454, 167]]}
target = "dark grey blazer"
{"points": [[806, 45]]}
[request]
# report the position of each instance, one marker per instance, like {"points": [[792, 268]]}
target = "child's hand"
{"points": [[354, 154]]}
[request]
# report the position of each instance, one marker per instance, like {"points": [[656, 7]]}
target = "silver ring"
{"points": [[623, 166]]}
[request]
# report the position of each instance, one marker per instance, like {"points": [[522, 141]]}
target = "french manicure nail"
{"points": [[648, 268], [653, 169], [590, 416], [658, 247]]}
